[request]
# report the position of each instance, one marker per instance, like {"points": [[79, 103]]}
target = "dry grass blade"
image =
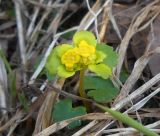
{"points": [[95, 20], [40, 25], [40, 4], [112, 19], [136, 72], [32, 24], [154, 125], [51, 30], [123, 131], [142, 102], [20, 32], [56, 21], [84, 129], [89, 20], [43, 62], [53, 128], [3, 87], [57, 126], [147, 12], [118, 129], [129, 99], [34, 36], [132, 96], [44, 115], [105, 21], [12, 128], [3, 103], [17, 117], [137, 92], [7, 25], [44, 118], [107, 15], [21, 36], [89, 16]]}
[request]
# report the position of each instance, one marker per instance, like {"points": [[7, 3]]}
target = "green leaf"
{"points": [[101, 70], [112, 56], [86, 36], [53, 62], [63, 110], [101, 90], [128, 120], [62, 72]]}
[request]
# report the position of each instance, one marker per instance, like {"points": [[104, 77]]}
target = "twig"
{"points": [[64, 93]]}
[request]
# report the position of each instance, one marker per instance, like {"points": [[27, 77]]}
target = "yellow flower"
{"points": [[79, 56], [85, 50], [70, 58], [66, 60]]}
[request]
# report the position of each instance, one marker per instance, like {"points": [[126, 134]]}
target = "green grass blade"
{"points": [[23, 101], [8, 67], [127, 120]]}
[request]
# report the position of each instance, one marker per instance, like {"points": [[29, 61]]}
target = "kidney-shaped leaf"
{"points": [[63, 110], [100, 89]]}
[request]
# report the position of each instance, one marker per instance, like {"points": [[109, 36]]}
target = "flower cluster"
{"points": [[66, 59], [79, 57]]}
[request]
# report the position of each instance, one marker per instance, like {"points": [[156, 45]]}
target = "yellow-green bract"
{"points": [[66, 59]]}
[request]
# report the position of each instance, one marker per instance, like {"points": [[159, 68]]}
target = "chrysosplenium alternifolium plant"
{"points": [[85, 53], [67, 59]]}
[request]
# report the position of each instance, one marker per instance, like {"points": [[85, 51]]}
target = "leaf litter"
{"points": [[32, 28]]}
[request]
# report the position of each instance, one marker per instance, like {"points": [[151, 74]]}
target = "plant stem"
{"points": [[81, 86], [127, 120], [82, 91]]}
